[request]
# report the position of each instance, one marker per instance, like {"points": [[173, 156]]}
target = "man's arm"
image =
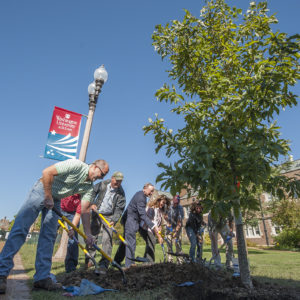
{"points": [[75, 222], [178, 226], [119, 208], [47, 180], [85, 216], [96, 189], [76, 219], [141, 207]]}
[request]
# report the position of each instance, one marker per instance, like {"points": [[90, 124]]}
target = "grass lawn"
{"points": [[279, 267]]}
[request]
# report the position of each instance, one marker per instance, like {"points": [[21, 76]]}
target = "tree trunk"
{"points": [[264, 222], [62, 249], [242, 252]]}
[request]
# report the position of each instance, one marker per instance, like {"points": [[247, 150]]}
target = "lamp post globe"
{"points": [[101, 74], [94, 89]]}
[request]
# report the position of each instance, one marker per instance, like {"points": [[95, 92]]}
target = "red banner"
{"points": [[63, 134]]}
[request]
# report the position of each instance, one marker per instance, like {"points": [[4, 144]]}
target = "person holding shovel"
{"points": [[136, 212], [58, 181], [193, 230], [71, 209], [109, 200], [174, 228], [155, 210], [224, 226]]}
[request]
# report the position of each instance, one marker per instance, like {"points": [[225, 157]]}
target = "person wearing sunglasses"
{"points": [[58, 181]]}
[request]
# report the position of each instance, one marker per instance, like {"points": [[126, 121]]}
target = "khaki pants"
{"points": [[213, 234], [177, 241], [107, 242]]}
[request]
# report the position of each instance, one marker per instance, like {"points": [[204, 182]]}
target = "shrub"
{"points": [[288, 238], [250, 243]]}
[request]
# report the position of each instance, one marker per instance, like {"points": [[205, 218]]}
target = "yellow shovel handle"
{"points": [[108, 224], [115, 264], [67, 230], [81, 233], [103, 218]]}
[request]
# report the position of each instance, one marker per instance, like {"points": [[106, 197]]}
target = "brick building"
{"points": [[263, 233]]}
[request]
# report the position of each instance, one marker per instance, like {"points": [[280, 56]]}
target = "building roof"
{"points": [[291, 166]]}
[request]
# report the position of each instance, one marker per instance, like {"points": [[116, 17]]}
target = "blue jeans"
{"points": [[71, 260], [193, 240], [25, 218]]}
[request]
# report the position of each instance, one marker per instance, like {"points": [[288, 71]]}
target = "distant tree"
{"points": [[11, 224], [234, 75], [286, 213]]}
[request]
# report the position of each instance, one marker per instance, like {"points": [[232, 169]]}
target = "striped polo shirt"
{"points": [[72, 179]]}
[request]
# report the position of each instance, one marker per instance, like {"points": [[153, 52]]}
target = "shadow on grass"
{"points": [[281, 249], [57, 266], [254, 251], [282, 282], [250, 251], [24, 271]]}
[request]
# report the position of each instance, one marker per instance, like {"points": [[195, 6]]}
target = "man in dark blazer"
{"points": [[136, 212], [109, 200]]}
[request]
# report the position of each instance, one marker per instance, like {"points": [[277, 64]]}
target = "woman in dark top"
{"points": [[193, 230]]}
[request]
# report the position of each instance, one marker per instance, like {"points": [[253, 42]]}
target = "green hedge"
{"points": [[289, 238]]}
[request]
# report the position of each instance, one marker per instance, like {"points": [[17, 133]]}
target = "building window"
{"points": [[275, 229], [252, 231]]}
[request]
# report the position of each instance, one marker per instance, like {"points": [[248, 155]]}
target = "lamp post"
{"points": [[94, 89]]}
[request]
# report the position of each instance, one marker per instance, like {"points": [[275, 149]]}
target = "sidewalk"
{"points": [[17, 287]]}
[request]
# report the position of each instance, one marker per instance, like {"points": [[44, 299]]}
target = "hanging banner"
{"points": [[63, 134]]}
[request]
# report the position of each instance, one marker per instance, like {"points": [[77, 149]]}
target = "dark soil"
{"points": [[210, 284]]}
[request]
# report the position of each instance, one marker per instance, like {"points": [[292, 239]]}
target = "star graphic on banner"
{"points": [[53, 132]]}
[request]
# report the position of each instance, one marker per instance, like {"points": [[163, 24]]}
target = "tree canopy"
{"points": [[233, 75]]}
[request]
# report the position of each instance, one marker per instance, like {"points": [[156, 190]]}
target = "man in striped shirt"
{"points": [[58, 181]]}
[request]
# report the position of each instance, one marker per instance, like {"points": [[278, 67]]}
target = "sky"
{"points": [[49, 51]]}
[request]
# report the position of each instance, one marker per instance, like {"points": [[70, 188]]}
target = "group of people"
{"points": [[68, 186]]}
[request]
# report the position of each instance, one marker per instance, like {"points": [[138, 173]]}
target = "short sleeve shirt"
{"points": [[72, 179]]}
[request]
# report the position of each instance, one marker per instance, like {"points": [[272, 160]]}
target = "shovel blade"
{"points": [[139, 259]]}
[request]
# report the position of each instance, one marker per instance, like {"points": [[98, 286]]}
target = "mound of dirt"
{"points": [[210, 284]]}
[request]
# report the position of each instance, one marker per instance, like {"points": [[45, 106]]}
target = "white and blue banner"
{"points": [[63, 135]]}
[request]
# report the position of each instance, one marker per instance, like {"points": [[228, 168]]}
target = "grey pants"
{"points": [[213, 234], [177, 241], [107, 242]]}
